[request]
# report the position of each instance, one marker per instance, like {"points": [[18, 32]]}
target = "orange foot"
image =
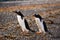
{"points": [[38, 32]]}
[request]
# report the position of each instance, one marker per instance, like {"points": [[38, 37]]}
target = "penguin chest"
{"points": [[21, 21], [39, 24]]}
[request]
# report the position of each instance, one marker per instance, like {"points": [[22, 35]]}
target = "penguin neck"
{"points": [[20, 16], [40, 19], [38, 16]]}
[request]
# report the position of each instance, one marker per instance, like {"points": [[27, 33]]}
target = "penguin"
{"points": [[23, 22], [41, 24]]}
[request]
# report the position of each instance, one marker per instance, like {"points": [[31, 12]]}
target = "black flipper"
{"points": [[27, 26], [45, 28]]}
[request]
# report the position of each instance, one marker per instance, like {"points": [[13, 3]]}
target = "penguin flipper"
{"points": [[27, 26], [46, 29]]}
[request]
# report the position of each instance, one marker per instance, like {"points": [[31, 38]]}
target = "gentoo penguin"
{"points": [[41, 24], [23, 22]]}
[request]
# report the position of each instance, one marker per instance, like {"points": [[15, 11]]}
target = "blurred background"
{"points": [[48, 9]]}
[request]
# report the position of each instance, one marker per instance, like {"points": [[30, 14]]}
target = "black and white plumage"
{"points": [[40, 23], [23, 22]]}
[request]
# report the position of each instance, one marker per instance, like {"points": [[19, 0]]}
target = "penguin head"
{"points": [[19, 13], [38, 16]]}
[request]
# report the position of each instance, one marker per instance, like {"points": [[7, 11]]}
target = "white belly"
{"points": [[40, 25], [21, 23]]}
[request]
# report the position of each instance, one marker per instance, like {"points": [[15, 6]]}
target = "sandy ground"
{"points": [[10, 29]]}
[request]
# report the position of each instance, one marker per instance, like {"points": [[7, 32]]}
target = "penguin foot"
{"points": [[38, 32]]}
